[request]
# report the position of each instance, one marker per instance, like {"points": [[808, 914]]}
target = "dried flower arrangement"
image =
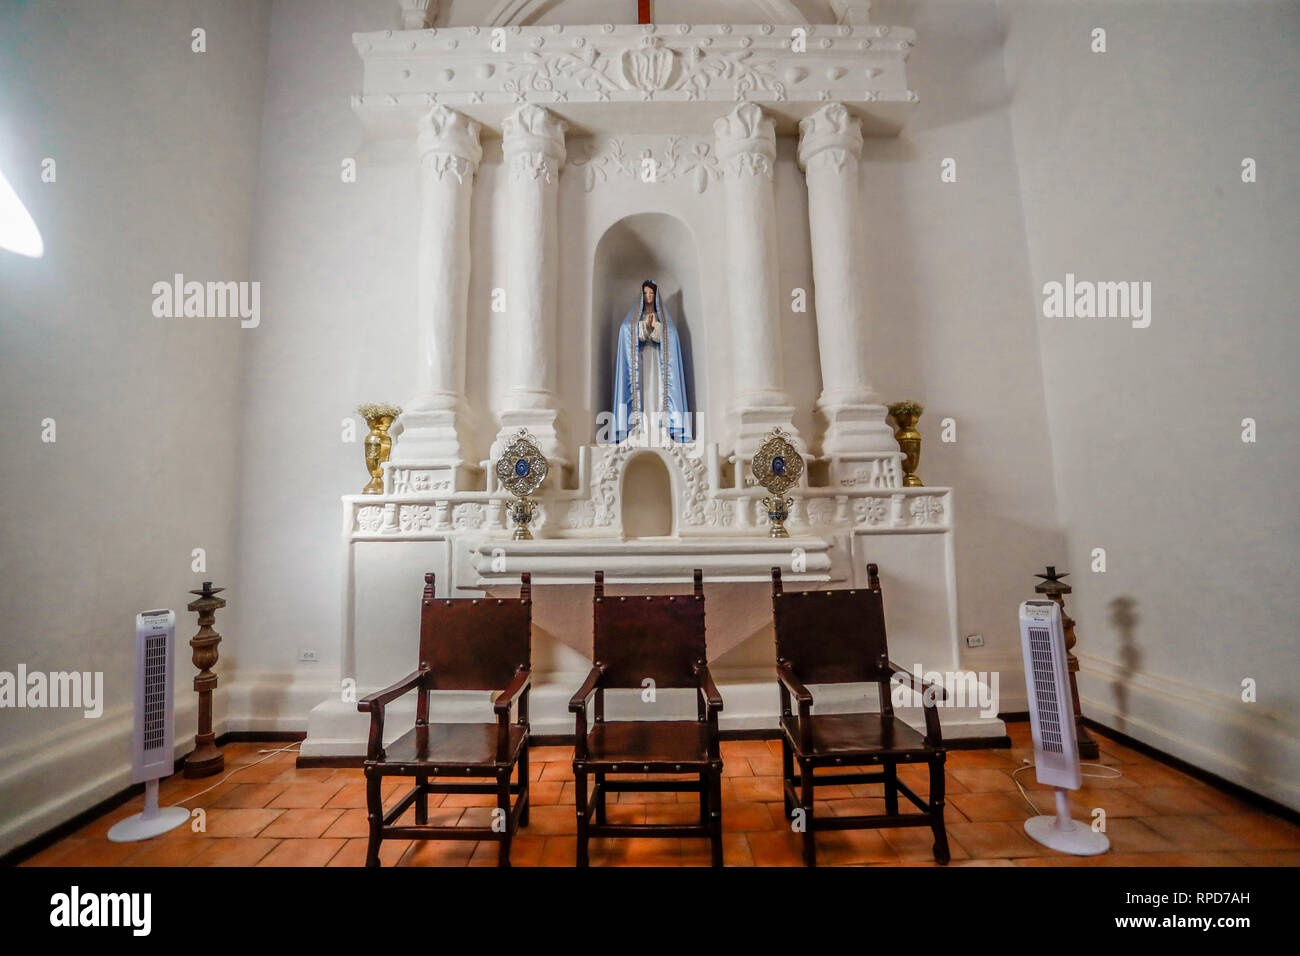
{"points": [[914, 409], [369, 410]]}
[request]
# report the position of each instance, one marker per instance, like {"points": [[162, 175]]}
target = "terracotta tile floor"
{"points": [[272, 814]]}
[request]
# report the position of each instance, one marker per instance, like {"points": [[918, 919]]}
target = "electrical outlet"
{"points": [[307, 655], [974, 640]]}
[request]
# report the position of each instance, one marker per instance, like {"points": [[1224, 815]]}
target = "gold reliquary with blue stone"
{"points": [[521, 469], [777, 466]]}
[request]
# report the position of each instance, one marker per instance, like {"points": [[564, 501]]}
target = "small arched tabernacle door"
{"points": [[647, 497]]}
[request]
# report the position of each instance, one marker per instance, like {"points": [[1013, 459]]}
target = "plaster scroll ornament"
{"points": [[649, 375], [369, 518]]}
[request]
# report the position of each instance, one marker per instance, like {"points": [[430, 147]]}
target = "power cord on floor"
{"points": [[269, 755], [1114, 772]]}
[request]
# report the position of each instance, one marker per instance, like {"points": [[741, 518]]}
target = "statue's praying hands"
{"points": [[650, 328]]}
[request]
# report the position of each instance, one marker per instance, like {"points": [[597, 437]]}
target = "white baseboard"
{"points": [[48, 780], [1248, 744]]}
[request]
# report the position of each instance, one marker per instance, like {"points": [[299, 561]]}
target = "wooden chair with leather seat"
{"points": [[658, 638], [837, 637], [465, 644]]}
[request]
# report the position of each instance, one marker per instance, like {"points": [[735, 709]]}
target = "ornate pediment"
{"points": [[684, 75]]}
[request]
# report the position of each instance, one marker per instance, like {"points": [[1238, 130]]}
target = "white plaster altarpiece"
{"points": [[705, 106]]}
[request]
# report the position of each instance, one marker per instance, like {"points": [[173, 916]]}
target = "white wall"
{"points": [[1130, 169], [155, 151]]}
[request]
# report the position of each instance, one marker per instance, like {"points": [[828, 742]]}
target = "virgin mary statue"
{"points": [[649, 378]]}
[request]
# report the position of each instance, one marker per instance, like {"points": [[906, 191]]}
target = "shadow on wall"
{"points": [[1124, 618]]}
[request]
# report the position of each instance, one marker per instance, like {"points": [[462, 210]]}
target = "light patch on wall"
{"points": [[18, 232]]}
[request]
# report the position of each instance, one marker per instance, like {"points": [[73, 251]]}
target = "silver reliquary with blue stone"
{"points": [[777, 466], [521, 469]]}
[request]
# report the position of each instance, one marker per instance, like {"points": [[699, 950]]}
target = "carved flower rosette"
{"points": [[777, 464], [522, 467]]}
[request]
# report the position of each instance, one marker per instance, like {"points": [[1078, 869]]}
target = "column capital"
{"points": [[531, 129], [832, 127], [446, 133], [746, 140], [418, 14], [852, 12]]}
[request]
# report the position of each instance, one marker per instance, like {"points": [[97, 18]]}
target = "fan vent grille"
{"points": [[154, 724], [1049, 710]]}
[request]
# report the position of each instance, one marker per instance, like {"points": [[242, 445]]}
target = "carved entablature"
{"points": [[584, 74], [594, 510]]}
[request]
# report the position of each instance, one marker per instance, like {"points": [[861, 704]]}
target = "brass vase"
{"points": [[905, 415], [379, 445]]}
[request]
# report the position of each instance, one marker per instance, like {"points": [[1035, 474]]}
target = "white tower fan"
{"points": [[152, 755], [1051, 718]]}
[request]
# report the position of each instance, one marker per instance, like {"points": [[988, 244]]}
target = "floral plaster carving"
{"points": [[648, 67], [416, 518], [691, 159], [700, 508], [872, 511]]}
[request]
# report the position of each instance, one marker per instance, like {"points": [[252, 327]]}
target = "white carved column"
{"points": [[830, 145], [533, 146], [435, 421], [747, 147]]}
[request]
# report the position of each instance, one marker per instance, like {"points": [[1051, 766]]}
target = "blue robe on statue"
{"points": [[629, 361]]}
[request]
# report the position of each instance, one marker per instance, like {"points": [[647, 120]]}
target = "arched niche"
{"points": [[646, 245], [647, 497]]}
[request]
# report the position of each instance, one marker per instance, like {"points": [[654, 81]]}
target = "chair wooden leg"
{"points": [[524, 792], [806, 801], [580, 798], [705, 791], [715, 813], [421, 800], [891, 788], [503, 812], [787, 774], [375, 817], [600, 798], [941, 854]]}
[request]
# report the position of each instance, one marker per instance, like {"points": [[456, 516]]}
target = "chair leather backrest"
{"points": [[474, 643], [832, 637], [660, 637]]}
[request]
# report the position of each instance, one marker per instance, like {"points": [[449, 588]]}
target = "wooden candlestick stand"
{"points": [[206, 758], [1056, 589]]}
